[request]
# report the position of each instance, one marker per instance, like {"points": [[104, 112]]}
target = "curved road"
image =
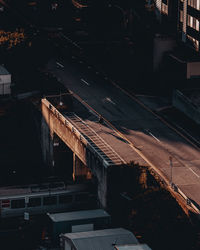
{"points": [[154, 141]]}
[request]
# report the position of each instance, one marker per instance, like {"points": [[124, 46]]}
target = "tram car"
{"points": [[40, 199]]}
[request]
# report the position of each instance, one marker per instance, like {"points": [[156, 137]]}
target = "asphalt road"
{"points": [[153, 140]]}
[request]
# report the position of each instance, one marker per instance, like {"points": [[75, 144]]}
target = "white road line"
{"points": [[85, 82], [194, 172], [152, 135], [59, 64], [109, 100]]}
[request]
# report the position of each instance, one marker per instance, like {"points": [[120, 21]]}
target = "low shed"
{"points": [[105, 239], [77, 221], [133, 247], [5, 81]]}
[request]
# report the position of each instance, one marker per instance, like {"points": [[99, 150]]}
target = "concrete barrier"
{"points": [[185, 105]]}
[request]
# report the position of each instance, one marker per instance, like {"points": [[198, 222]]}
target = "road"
{"points": [[151, 139]]}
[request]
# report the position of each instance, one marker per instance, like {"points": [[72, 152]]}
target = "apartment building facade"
{"points": [[188, 22], [184, 17]]}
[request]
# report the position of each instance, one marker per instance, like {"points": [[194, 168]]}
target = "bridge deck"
{"points": [[98, 144]]}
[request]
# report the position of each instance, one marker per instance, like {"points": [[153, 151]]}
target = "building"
{"points": [[5, 81], [133, 247], [78, 221], [182, 16], [188, 23], [106, 239]]}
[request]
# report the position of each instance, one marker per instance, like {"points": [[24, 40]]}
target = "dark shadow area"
{"points": [[142, 204]]}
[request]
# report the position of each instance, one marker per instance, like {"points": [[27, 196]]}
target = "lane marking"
{"points": [[85, 81], [68, 39], [153, 135], [194, 172], [109, 100], [59, 64]]}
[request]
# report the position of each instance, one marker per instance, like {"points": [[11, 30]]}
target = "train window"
{"points": [[49, 200], [5, 203], [65, 199], [81, 197], [34, 202], [18, 203]]}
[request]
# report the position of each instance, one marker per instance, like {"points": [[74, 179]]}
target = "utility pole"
{"points": [[171, 167]]}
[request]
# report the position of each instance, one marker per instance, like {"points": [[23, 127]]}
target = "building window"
{"points": [[18, 203], [49, 200], [164, 8], [194, 3], [34, 202], [63, 199], [193, 42], [181, 16], [193, 22]]}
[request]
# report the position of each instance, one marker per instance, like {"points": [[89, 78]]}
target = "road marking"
{"points": [[59, 64], [85, 82], [89, 67], [97, 72], [109, 100], [68, 39], [80, 62], [152, 135], [194, 172]]}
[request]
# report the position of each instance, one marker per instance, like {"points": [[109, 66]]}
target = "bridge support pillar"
{"points": [[80, 171], [47, 138]]}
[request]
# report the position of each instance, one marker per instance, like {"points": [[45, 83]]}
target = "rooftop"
{"points": [[78, 215], [133, 247], [105, 239], [3, 71]]}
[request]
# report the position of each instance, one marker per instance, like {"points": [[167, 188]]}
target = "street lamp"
{"points": [[171, 166]]}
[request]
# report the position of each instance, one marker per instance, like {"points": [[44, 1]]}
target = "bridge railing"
{"points": [[74, 130], [65, 121]]}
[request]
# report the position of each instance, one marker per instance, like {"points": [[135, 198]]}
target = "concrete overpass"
{"points": [[148, 140], [88, 147]]}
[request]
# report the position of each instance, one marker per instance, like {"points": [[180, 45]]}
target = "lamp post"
{"points": [[171, 166]]}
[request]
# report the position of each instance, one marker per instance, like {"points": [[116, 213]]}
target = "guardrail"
{"points": [[74, 130]]}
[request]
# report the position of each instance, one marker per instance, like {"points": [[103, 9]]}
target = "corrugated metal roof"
{"points": [[133, 247], [105, 239], [3, 71], [78, 215]]}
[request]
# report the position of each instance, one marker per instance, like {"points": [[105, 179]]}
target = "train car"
{"points": [[40, 199]]}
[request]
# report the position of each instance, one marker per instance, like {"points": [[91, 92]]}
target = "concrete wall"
{"points": [[193, 70], [54, 122], [162, 44], [185, 105]]}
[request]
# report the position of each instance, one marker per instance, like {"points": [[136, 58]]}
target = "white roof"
{"points": [[105, 239], [133, 247], [3, 71], [79, 215]]}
